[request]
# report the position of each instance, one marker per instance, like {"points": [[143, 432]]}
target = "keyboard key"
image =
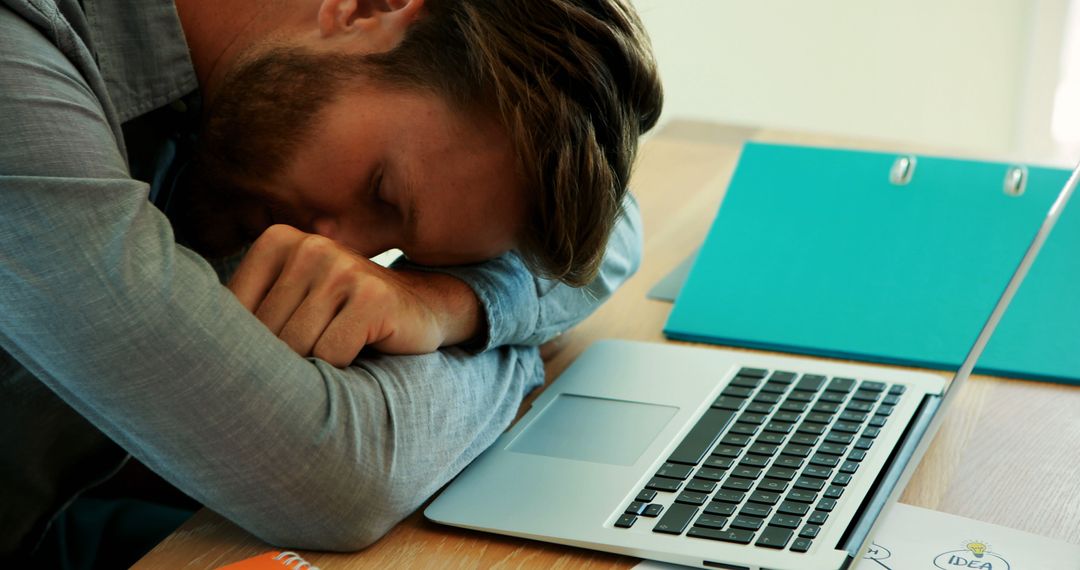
{"points": [[822, 460], [786, 521], [864, 443], [818, 418], [814, 429], [801, 545], [878, 421], [674, 471], [781, 473], [818, 517], [720, 509], [839, 438], [662, 484], [710, 521], [729, 496], [675, 519], [833, 492], [772, 485], [871, 432], [884, 411], [765, 449], [826, 407], [856, 455], [860, 406], [737, 392], [805, 439], [787, 417], [845, 427], [810, 382], [897, 389], [701, 486], [753, 372], [801, 396], [717, 462], [727, 450], [793, 508], [709, 474], [801, 496], [835, 397], [789, 461], [841, 479], [774, 537], [729, 403], [653, 510], [809, 483], [774, 387], [646, 496], [853, 416], [692, 498], [793, 406], [735, 535], [744, 382], [765, 497], [826, 505], [746, 429], [730, 439], [760, 408], [810, 531], [754, 461], [702, 436], [625, 521], [841, 385], [778, 427], [768, 398], [756, 419], [785, 377], [872, 386], [796, 450], [813, 471], [759, 511], [746, 472], [635, 508], [832, 449], [866, 396], [849, 467], [748, 523], [733, 484], [772, 438]]}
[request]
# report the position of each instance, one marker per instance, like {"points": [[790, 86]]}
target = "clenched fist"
{"points": [[329, 302]]}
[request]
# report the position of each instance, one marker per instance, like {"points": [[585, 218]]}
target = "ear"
{"points": [[387, 19]]}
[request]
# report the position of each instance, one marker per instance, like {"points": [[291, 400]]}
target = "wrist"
{"points": [[454, 305]]}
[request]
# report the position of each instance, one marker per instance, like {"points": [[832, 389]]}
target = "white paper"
{"points": [[912, 538]]}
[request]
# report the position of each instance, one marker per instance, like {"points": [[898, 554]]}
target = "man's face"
{"points": [[370, 166]]}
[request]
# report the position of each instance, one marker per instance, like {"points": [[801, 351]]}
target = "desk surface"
{"points": [[1008, 453]]}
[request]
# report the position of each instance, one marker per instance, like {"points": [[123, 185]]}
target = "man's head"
{"points": [[452, 129]]}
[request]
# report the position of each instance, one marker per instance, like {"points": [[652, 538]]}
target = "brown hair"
{"points": [[575, 85]]}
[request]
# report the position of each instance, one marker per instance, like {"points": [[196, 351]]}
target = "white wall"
{"points": [[969, 74]]}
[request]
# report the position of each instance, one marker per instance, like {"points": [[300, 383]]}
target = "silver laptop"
{"points": [[714, 458]]}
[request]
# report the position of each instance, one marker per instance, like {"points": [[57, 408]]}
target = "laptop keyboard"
{"points": [[768, 461]]}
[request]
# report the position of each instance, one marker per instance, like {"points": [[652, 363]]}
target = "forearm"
{"points": [[519, 309]]}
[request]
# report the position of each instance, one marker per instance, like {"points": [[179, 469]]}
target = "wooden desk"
{"points": [[1008, 453]]}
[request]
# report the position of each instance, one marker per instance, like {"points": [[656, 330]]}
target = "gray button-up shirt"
{"points": [[138, 335]]}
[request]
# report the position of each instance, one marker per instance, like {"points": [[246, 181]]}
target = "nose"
{"points": [[326, 227]]}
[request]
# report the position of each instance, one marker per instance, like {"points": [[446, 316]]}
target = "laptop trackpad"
{"points": [[593, 429]]}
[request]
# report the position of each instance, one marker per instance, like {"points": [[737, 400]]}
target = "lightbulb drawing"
{"points": [[977, 548]]}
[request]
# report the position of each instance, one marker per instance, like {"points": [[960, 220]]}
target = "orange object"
{"points": [[273, 560]]}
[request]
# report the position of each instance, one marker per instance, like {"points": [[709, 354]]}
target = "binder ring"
{"points": [[1015, 180], [902, 170]]}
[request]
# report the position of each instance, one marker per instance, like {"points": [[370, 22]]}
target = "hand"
{"points": [[327, 301]]}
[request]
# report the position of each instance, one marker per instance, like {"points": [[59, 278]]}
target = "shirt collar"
{"points": [[141, 52]]}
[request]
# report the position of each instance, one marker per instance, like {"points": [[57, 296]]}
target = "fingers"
{"points": [[348, 333], [309, 322], [262, 265]]}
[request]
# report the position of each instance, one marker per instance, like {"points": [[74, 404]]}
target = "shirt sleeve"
{"points": [[136, 333], [520, 309]]}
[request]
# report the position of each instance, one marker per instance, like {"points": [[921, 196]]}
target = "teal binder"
{"points": [[817, 251]]}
